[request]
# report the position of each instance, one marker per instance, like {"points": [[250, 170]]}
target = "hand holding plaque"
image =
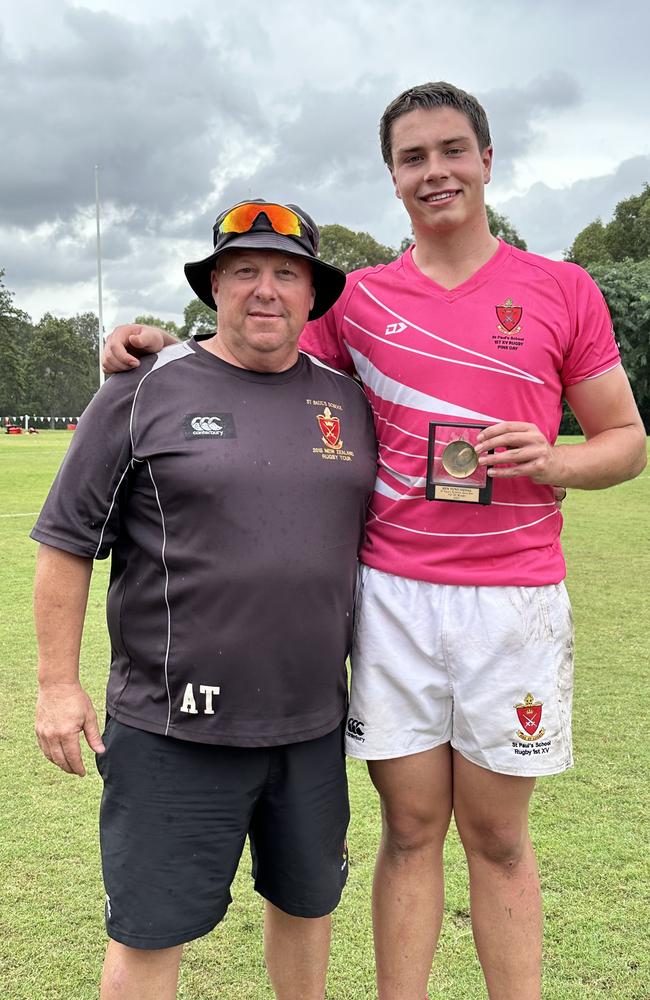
{"points": [[453, 472]]}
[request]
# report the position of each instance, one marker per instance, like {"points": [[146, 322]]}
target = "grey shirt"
{"points": [[233, 503]]}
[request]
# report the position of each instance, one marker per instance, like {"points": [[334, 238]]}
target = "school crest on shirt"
{"points": [[529, 713], [509, 316], [328, 419], [330, 428], [509, 336]]}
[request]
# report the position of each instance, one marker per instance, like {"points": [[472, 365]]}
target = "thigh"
{"points": [[490, 809], [400, 697], [415, 793], [173, 822], [512, 654], [298, 830]]}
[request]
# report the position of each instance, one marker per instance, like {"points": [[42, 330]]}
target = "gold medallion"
{"points": [[459, 459]]}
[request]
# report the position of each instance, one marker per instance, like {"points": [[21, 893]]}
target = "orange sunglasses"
{"points": [[241, 219]]}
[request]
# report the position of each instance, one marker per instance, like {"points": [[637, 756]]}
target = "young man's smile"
{"points": [[438, 170]]}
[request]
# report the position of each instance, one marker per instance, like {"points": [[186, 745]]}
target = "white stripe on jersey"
{"points": [[169, 613], [328, 368], [110, 510], [503, 369], [385, 490], [396, 392], [420, 437], [461, 534], [171, 353]]}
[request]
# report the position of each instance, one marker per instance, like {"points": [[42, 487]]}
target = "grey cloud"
{"points": [[183, 122], [549, 219], [516, 112], [150, 107], [328, 154], [326, 157]]}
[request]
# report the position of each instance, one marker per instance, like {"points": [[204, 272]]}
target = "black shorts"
{"points": [[175, 815]]}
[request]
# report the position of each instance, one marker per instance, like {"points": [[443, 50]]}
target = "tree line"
{"points": [[51, 367], [617, 255]]}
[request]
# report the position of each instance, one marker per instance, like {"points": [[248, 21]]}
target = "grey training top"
{"points": [[233, 503]]}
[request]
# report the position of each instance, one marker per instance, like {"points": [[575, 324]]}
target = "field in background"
{"points": [[590, 826]]}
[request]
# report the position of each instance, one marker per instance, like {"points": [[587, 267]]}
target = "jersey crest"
{"points": [[330, 428], [509, 316]]}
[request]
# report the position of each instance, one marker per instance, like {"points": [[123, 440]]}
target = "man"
{"points": [[462, 660], [230, 481]]}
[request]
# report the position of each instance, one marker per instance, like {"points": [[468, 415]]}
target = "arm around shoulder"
{"points": [[126, 342]]}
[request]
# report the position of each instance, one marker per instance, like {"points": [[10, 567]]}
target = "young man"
{"points": [[462, 658], [230, 482]]}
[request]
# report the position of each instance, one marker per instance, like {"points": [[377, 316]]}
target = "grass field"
{"points": [[590, 825]]}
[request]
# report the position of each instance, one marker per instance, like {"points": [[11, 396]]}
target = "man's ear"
{"points": [[214, 284], [486, 157], [395, 187]]}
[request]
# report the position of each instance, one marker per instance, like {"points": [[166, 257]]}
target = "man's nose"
{"points": [[265, 287], [436, 167]]}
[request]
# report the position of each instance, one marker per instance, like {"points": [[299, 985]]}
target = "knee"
{"points": [[406, 831], [502, 844], [126, 970]]}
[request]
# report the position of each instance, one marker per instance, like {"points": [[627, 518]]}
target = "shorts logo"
{"points": [[529, 713], [394, 328], [330, 428], [355, 730], [509, 316], [204, 425]]}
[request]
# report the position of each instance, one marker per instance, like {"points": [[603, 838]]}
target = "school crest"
{"points": [[509, 316], [330, 428], [529, 713]]}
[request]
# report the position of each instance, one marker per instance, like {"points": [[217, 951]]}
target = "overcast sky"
{"points": [[189, 107]]}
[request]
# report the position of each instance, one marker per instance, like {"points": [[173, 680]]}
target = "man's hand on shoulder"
{"points": [[125, 343], [63, 711]]}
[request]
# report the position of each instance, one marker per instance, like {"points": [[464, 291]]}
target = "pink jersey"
{"points": [[501, 346]]}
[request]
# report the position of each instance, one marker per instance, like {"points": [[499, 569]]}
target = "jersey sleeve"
{"points": [[81, 512], [323, 338], [592, 350]]}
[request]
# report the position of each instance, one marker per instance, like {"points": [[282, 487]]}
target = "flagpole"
{"points": [[99, 278]]}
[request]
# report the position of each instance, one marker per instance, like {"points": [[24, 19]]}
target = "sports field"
{"points": [[591, 825]]}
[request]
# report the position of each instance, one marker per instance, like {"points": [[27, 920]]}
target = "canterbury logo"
{"points": [[355, 728], [207, 425], [394, 328]]}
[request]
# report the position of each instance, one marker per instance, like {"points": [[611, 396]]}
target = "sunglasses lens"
{"points": [[241, 219]]}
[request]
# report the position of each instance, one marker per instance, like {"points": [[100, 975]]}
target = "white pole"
{"points": [[99, 278]]}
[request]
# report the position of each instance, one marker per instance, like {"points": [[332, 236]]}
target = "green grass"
{"points": [[590, 825]]}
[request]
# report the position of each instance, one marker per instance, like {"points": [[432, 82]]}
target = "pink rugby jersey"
{"points": [[501, 346]]}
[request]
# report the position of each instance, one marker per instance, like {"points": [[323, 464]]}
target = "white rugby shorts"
{"points": [[487, 669]]}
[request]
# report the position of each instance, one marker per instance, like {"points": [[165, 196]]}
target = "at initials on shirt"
{"points": [[189, 702]]}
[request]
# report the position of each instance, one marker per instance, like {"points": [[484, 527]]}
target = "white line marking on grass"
{"points": [[29, 513]]}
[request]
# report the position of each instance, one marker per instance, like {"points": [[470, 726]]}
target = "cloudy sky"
{"points": [[188, 107]]}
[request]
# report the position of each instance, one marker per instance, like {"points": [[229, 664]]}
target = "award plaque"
{"points": [[453, 472]]}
